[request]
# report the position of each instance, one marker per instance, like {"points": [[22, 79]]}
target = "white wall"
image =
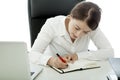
{"points": [[110, 22], [14, 21]]}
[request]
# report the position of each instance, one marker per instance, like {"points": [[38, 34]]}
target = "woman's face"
{"points": [[77, 28]]}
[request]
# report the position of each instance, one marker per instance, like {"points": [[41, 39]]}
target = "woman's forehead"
{"points": [[81, 24]]}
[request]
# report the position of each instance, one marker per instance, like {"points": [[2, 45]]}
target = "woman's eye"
{"points": [[86, 32], [76, 28]]}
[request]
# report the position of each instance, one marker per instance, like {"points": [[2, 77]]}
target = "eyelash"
{"points": [[77, 28], [86, 32]]}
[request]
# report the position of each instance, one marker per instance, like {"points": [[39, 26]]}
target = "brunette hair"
{"points": [[88, 12]]}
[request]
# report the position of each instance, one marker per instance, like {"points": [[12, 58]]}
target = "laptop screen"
{"points": [[14, 61]]}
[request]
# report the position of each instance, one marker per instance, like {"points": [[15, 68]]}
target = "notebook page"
{"points": [[81, 64]]}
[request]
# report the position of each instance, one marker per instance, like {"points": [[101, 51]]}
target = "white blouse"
{"points": [[53, 38]]}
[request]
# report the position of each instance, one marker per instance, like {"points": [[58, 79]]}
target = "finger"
{"points": [[60, 64], [68, 58], [72, 61], [63, 65], [65, 58]]}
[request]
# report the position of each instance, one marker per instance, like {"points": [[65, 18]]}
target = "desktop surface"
{"points": [[92, 74]]}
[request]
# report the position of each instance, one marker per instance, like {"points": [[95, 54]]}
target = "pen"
{"points": [[61, 58]]}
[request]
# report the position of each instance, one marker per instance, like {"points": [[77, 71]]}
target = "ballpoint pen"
{"points": [[61, 58]]}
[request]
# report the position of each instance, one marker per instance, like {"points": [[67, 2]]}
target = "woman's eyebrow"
{"points": [[86, 31], [80, 28]]}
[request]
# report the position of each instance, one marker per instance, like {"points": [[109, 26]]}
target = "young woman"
{"points": [[69, 36]]}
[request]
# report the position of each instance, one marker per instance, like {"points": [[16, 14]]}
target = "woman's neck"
{"points": [[66, 26]]}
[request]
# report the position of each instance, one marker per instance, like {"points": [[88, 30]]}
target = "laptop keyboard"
{"points": [[115, 63], [32, 73]]}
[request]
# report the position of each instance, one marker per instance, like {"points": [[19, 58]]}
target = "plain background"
{"points": [[14, 24]]}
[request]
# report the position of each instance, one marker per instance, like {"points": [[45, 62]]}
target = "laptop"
{"points": [[14, 62], [115, 63]]}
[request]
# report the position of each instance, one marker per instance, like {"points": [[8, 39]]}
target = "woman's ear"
{"points": [[69, 17]]}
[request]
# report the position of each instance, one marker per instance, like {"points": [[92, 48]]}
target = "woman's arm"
{"points": [[41, 43], [104, 48]]}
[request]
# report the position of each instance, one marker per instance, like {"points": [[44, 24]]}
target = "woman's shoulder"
{"points": [[56, 18], [56, 22]]}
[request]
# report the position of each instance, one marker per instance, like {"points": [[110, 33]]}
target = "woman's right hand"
{"points": [[56, 62]]}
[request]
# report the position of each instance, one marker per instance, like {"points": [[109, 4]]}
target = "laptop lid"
{"points": [[14, 62]]}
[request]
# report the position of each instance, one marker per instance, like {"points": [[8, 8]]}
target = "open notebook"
{"points": [[78, 66]]}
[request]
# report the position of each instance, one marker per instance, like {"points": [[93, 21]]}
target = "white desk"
{"points": [[92, 74]]}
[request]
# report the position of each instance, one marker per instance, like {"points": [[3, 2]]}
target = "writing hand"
{"points": [[56, 62]]}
